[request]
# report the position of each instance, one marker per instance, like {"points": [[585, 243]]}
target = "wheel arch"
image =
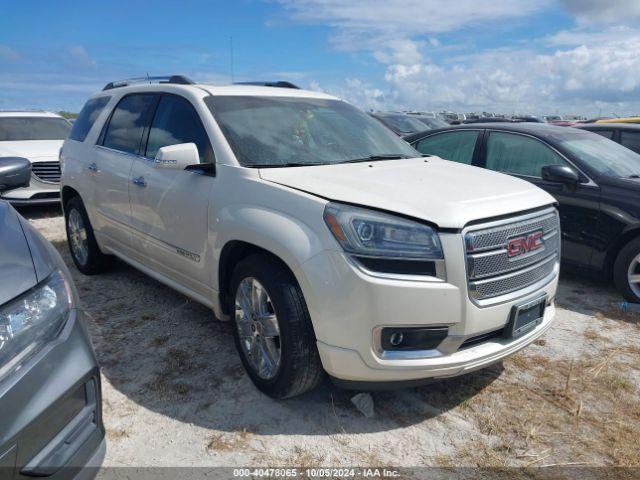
{"points": [[67, 194], [233, 252], [614, 250]]}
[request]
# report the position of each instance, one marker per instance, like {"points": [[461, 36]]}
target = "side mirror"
{"points": [[15, 172], [177, 157], [560, 174]]}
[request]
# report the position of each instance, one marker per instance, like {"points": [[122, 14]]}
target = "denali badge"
{"points": [[527, 243]]}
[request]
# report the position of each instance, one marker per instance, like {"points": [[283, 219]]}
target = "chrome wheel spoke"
{"points": [[269, 324], [635, 278]]}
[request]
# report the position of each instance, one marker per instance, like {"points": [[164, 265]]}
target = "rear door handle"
{"points": [[93, 167], [139, 181]]}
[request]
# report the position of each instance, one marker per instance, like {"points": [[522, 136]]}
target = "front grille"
{"points": [[46, 171], [492, 273]]}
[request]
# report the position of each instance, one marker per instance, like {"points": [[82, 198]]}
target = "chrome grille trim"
{"points": [[46, 171], [492, 276]]}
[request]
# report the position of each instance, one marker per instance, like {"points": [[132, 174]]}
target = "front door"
{"points": [[169, 208]]}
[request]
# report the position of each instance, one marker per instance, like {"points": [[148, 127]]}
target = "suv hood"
{"points": [[31, 149], [446, 193], [17, 273]]}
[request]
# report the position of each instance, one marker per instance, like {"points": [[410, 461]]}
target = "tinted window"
{"points": [[128, 122], [33, 128], [456, 146], [518, 154], [176, 121], [87, 118], [605, 133], [399, 123], [630, 140], [276, 131]]}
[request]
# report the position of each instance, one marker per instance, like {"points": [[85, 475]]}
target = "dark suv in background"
{"points": [[595, 181], [50, 400]]}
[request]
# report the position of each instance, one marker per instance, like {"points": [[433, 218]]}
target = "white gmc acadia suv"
{"points": [[330, 243]]}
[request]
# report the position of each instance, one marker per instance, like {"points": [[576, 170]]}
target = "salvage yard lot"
{"points": [[175, 392]]}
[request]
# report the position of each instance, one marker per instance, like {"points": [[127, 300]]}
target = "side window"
{"points": [[128, 121], [631, 140], [456, 146], [605, 133], [176, 121], [512, 153], [87, 118]]}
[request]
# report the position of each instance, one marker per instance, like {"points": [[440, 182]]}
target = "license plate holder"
{"points": [[526, 317]]}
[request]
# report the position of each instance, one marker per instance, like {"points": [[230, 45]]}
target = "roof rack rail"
{"points": [[175, 79], [278, 84]]}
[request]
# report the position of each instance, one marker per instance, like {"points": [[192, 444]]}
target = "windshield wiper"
{"points": [[634, 175], [373, 158], [282, 165]]}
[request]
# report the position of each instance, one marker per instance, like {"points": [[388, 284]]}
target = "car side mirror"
{"points": [[560, 174], [177, 157], [15, 172]]}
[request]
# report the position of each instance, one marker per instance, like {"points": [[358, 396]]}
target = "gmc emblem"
{"points": [[527, 243]]}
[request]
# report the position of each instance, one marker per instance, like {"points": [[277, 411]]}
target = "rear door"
{"points": [[169, 207], [109, 169], [523, 156]]}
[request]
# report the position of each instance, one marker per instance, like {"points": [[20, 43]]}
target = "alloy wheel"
{"points": [[258, 328], [78, 237]]}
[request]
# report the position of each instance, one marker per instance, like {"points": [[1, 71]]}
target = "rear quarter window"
{"points": [[87, 117]]}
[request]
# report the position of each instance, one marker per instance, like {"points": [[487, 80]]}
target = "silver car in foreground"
{"points": [[50, 401]]}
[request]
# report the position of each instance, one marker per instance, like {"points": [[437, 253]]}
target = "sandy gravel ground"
{"points": [[175, 393]]}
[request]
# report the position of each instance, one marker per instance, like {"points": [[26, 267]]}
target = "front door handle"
{"points": [[92, 167], [139, 181]]}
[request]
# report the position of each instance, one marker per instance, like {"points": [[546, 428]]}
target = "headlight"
{"points": [[370, 233], [31, 320]]}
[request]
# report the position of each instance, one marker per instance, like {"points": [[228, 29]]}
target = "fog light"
{"points": [[409, 338], [396, 338]]}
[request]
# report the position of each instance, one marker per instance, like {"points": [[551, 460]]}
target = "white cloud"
{"points": [[387, 28], [603, 11], [591, 66], [581, 79]]}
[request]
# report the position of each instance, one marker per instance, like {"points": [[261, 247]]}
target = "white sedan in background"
{"points": [[38, 137]]}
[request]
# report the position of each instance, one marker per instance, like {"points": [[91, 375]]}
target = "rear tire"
{"points": [[82, 243], [285, 362], [626, 271]]}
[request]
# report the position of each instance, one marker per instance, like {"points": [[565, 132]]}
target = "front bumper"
{"points": [[37, 193], [348, 306], [51, 421]]}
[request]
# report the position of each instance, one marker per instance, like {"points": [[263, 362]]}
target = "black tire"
{"points": [[95, 261], [300, 368], [621, 269]]}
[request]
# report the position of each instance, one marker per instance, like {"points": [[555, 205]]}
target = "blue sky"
{"points": [[543, 56]]}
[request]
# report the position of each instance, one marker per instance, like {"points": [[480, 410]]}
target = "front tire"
{"points": [[626, 271], [82, 243], [272, 328]]}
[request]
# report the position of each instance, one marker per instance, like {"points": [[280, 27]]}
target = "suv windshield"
{"points": [[33, 128], [403, 124], [432, 122], [287, 131], [604, 156]]}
